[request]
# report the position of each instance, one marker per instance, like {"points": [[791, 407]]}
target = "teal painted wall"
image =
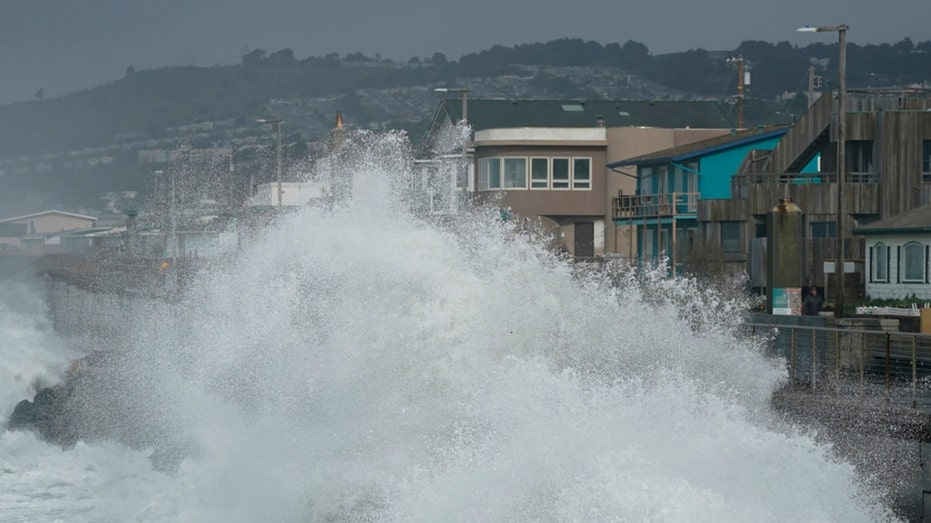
{"points": [[718, 167]]}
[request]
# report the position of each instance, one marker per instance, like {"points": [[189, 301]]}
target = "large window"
{"points": [[859, 156], [821, 230], [539, 173], [489, 174], [880, 262], [730, 237], [582, 173], [560, 173], [515, 173], [913, 254], [509, 173]]}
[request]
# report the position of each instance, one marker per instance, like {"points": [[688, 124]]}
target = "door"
{"points": [[584, 239]]}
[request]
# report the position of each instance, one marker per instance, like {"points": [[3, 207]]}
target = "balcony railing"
{"points": [[658, 205], [803, 178]]}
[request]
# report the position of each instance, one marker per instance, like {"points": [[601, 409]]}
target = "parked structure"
{"points": [[546, 159]]}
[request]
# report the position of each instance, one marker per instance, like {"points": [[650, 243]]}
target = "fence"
{"points": [[829, 356]]}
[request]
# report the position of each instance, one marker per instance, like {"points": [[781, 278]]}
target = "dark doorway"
{"points": [[584, 240]]}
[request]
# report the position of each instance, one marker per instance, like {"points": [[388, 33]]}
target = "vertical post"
{"points": [[814, 360], [277, 123], [465, 144], [740, 92], [841, 155], [811, 87], [841, 170], [278, 156]]}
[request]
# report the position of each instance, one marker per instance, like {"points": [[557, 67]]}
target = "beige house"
{"points": [[30, 232], [547, 159]]}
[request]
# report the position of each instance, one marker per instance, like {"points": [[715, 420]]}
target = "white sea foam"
{"points": [[357, 364]]}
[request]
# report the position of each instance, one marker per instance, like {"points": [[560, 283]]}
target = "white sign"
{"points": [[848, 267]]}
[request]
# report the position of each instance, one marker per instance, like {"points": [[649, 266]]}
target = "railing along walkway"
{"points": [[826, 356]]}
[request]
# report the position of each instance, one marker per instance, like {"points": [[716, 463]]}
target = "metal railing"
{"points": [[868, 178], [656, 205], [827, 357]]}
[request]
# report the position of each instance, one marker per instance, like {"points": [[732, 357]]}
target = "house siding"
{"points": [[896, 288]]}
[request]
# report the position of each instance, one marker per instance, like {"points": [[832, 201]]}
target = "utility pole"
{"points": [[738, 61], [839, 274], [277, 122]]}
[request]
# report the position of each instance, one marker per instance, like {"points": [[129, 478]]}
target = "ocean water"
{"points": [[361, 364]]}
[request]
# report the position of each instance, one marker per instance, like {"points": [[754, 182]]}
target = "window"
{"points": [[880, 262], [489, 174], [913, 255], [926, 156], [822, 230], [730, 237], [560, 173], [582, 173], [760, 226], [544, 173], [859, 156], [539, 173], [515, 173]]}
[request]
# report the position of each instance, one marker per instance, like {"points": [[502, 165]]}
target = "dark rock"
{"points": [[24, 416]]}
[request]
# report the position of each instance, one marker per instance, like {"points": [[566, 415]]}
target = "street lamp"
{"points": [[841, 31], [465, 140], [277, 122]]}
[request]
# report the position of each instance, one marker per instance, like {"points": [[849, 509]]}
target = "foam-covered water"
{"points": [[358, 364]]}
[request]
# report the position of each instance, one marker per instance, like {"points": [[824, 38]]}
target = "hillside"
{"points": [[67, 151]]}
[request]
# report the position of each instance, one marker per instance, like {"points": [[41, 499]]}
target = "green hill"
{"points": [[68, 150]]}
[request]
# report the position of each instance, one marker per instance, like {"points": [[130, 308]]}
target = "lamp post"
{"points": [[277, 122], [841, 31], [465, 140]]}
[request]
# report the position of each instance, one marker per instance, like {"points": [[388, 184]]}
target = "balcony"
{"points": [[658, 205]]}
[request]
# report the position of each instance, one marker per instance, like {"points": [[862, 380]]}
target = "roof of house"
{"points": [[917, 220], [502, 114], [52, 211], [704, 147]]}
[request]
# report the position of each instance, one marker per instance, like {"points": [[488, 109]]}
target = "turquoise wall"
{"points": [[717, 168]]}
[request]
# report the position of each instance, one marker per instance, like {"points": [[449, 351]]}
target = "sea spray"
{"points": [[357, 363]]}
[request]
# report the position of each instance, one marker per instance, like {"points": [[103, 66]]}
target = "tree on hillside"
{"points": [[254, 57], [282, 57], [634, 55]]}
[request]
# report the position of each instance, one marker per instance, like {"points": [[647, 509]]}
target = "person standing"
{"points": [[813, 302]]}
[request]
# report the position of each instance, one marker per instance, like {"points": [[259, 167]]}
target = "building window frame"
{"points": [[554, 173], [564, 166], [926, 159], [880, 267], [513, 173], [913, 262], [540, 180], [581, 173], [730, 237]]}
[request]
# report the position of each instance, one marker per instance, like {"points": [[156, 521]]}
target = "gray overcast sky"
{"points": [[63, 45]]}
